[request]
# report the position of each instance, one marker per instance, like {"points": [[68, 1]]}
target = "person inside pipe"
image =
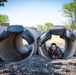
{"points": [[55, 52]]}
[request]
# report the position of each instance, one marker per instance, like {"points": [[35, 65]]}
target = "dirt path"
{"points": [[38, 65]]}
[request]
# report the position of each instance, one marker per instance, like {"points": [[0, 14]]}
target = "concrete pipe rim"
{"points": [[21, 46], [68, 50], [36, 35], [10, 57]]}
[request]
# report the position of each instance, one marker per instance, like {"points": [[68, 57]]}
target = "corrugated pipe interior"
{"points": [[11, 42], [67, 35]]}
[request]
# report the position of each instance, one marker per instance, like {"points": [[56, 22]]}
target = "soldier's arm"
{"points": [[59, 54], [49, 52]]}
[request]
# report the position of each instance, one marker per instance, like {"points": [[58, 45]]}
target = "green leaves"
{"points": [[44, 27], [47, 25], [40, 28], [2, 2], [69, 10], [69, 7], [3, 19]]}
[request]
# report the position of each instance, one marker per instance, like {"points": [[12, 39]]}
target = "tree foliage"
{"points": [[69, 10], [40, 28], [2, 2], [3, 19], [44, 27], [47, 25]]}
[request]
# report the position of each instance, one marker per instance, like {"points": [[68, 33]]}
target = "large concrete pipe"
{"points": [[74, 32], [36, 35], [11, 45], [67, 35]]}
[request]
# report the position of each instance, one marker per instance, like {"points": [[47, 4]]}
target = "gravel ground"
{"points": [[38, 65]]}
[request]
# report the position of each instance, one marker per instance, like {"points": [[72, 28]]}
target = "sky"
{"points": [[32, 12]]}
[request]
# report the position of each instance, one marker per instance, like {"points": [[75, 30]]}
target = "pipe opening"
{"points": [[66, 45], [14, 47], [23, 46], [55, 39]]}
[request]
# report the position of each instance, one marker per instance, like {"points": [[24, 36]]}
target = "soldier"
{"points": [[55, 52]]}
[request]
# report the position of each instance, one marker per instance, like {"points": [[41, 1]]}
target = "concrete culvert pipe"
{"points": [[74, 32], [11, 44], [67, 35], [36, 35]]}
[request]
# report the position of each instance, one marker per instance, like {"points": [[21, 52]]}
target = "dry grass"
{"points": [[56, 39], [24, 41]]}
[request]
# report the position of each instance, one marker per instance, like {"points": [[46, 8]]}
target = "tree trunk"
{"points": [[75, 13]]}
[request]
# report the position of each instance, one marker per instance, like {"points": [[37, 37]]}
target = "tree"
{"points": [[33, 27], [44, 27], [47, 25], [40, 28], [3, 19], [69, 10], [75, 11], [2, 2]]}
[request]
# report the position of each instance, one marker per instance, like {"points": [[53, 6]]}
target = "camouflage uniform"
{"points": [[57, 53]]}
